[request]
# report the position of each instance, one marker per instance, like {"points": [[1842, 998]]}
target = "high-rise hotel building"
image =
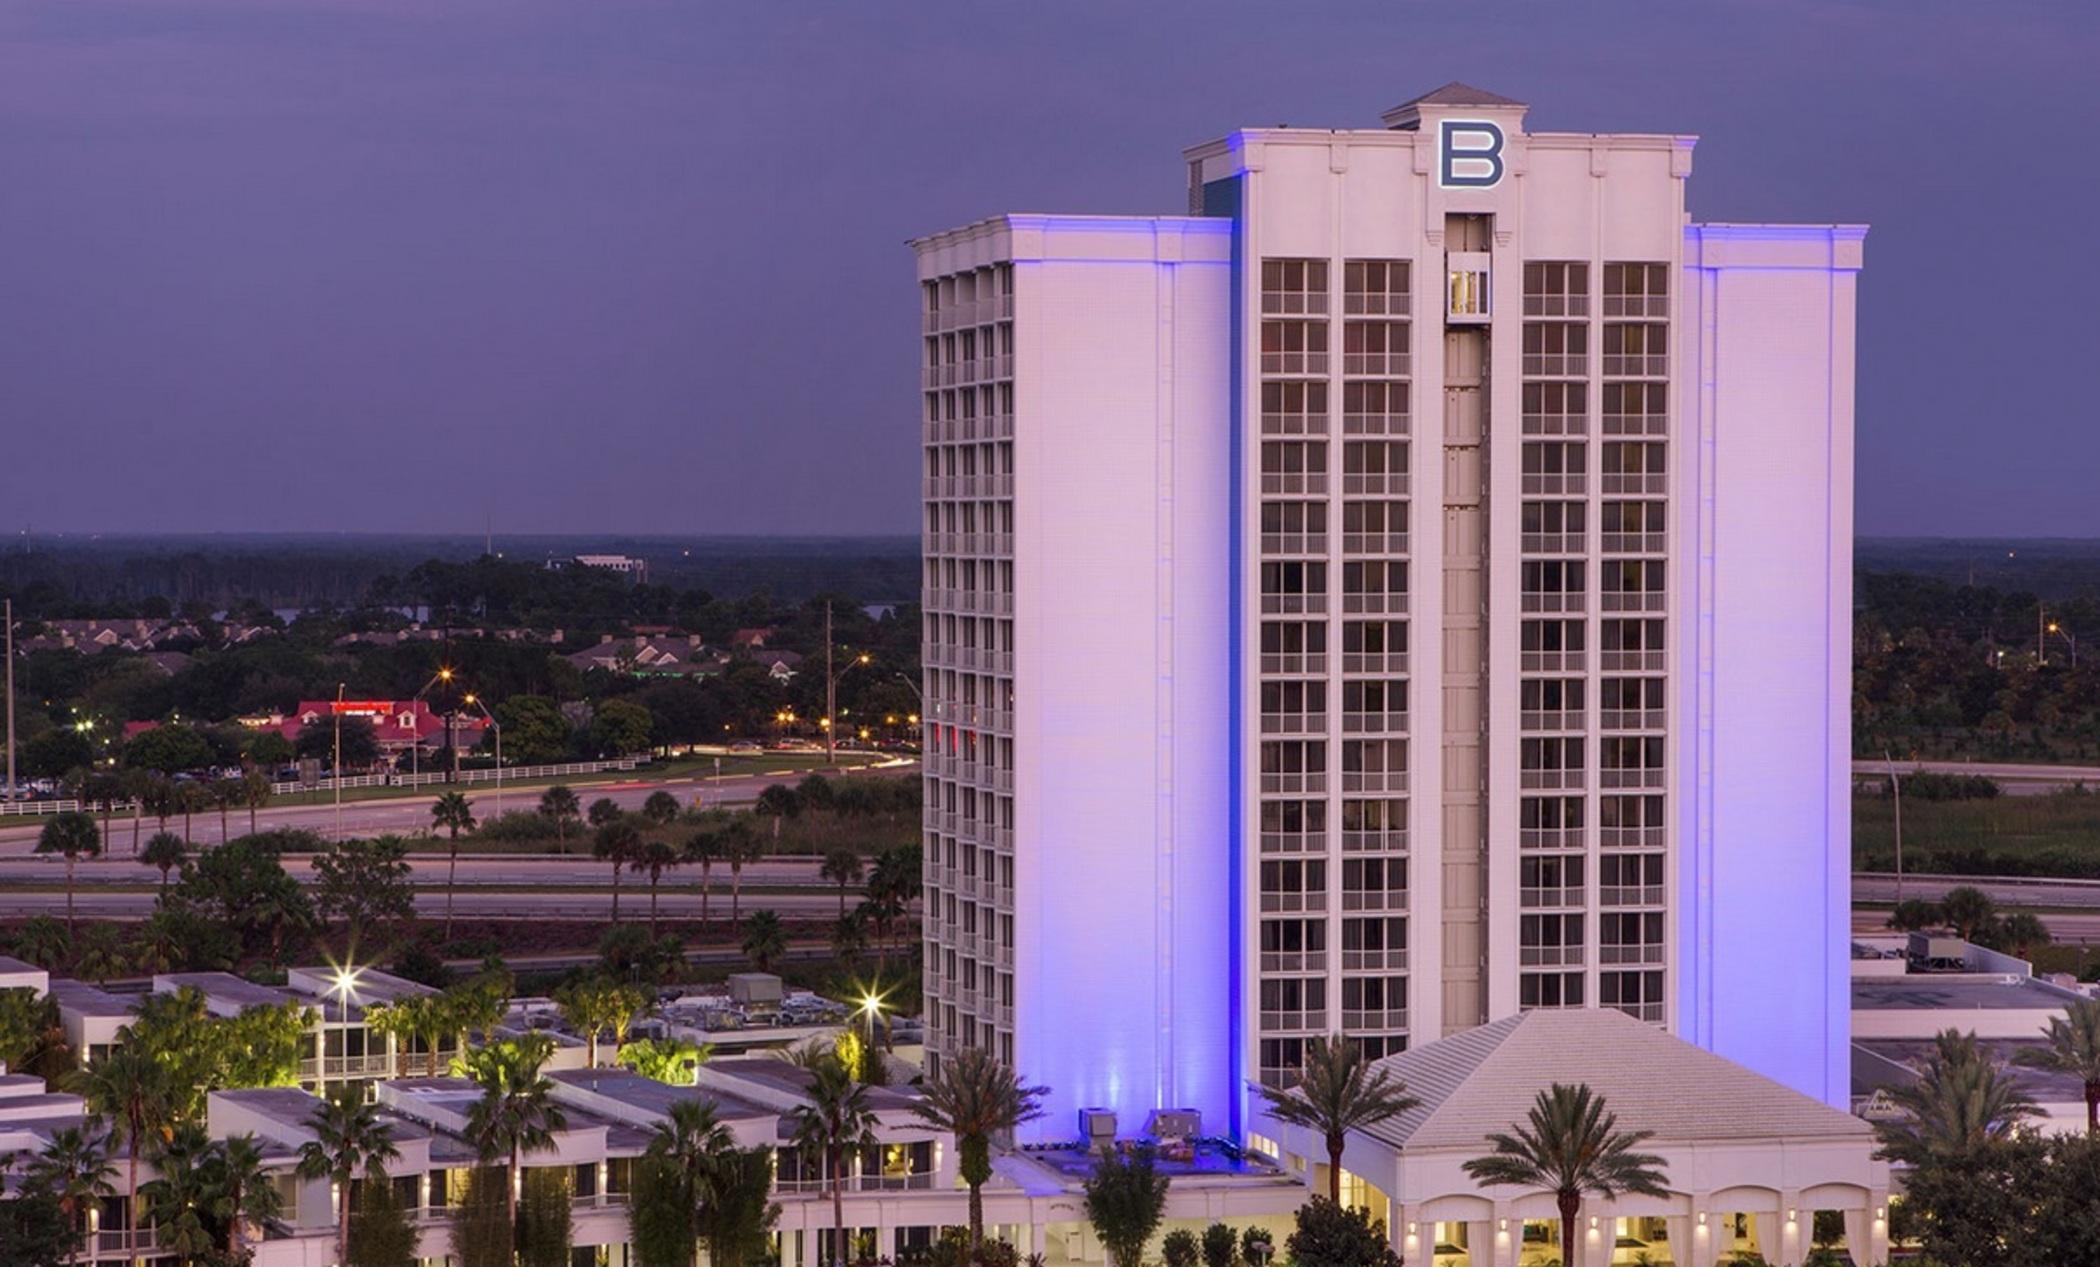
{"points": [[1412, 588]]}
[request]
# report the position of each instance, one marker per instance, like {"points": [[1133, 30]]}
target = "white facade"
{"points": [[1076, 595], [1530, 516]]}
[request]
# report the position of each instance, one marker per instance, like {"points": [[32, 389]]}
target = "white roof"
{"points": [[1485, 1079]]}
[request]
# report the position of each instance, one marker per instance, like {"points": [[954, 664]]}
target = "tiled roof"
{"points": [[1484, 1080], [1458, 94]]}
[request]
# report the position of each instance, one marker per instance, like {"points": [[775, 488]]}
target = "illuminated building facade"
{"points": [[1420, 593]]}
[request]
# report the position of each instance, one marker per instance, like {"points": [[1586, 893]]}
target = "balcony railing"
{"points": [[1355, 1019], [1630, 895], [366, 1066]]}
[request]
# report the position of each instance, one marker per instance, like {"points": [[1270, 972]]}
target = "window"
{"points": [[1550, 703], [1374, 707], [1556, 408], [1550, 763], [1549, 941], [1293, 527], [1374, 467], [1550, 822], [1282, 1059], [1293, 646], [1293, 408], [1636, 290], [1630, 879], [1632, 761], [1636, 409], [1374, 765], [1630, 937], [1374, 646], [1291, 287], [1293, 466], [1293, 707], [1633, 584], [1375, 349], [1554, 467], [1549, 989], [1376, 287], [1374, 884], [1636, 350], [1374, 825], [1551, 645], [1635, 527], [1293, 826], [1550, 880], [1293, 945], [1632, 703], [1293, 1003], [1552, 585], [1638, 994], [1374, 586], [1374, 527], [1553, 527], [1554, 289], [1634, 467], [1374, 408], [1288, 587], [1556, 349], [1374, 944], [1630, 821], [1294, 766], [1374, 1002]]}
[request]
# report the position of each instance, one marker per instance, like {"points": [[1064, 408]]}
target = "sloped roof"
{"points": [[1484, 1080], [1458, 94]]}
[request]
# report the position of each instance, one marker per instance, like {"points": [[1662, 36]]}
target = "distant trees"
{"points": [[534, 730], [360, 744], [365, 883], [619, 728], [168, 749]]}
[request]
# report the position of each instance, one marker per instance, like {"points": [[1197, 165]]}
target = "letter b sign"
{"points": [[1469, 154]]}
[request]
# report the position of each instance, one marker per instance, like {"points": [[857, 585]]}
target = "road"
{"points": [[427, 869], [471, 904], [407, 815], [2014, 780]]}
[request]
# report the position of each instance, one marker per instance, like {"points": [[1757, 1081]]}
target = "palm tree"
{"points": [[836, 1121], [616, 843], [688, 1139], [778, 802], [739, 845], [1571, 1147], [189, 798], [44, 942], [241, 1191], [736, 1206], [705, 848], [166, 851], [225, 794], [765, 941], [593, 1005], [654, 857], [1968, 911], [974, 1097], [454, 813], [129, 1090], [2074, 1048], [132, 784], [604, 810], [516, 1113], [178, 1200], [2022, 932], [560, 804], [660, 809], [892, 885], [255, 793], [842, 867], [349, 1138], [75, 1170], [73, 834], [1338, 1091], [1962, 1101]]}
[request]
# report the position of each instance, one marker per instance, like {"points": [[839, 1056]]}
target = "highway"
{"points": [[409, 814], [428, 869], [589, 907], [2013, 780]]}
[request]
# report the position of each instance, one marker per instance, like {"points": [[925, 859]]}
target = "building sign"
{"points": [[1468, 154], [362, 707]]}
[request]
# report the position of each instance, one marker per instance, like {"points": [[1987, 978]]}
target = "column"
{"points": [[1867, 1230], [1794, 1223], [1406, 1235], [1481, 1249], [1705, 1228], [1508, 1242]]}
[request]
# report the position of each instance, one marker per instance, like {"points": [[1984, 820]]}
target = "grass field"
{"points": [[2007, 835]]}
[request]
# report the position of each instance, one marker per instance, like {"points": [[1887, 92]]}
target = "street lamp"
{"points": [[2057, 628], [415, 746], [497, 727], [342, 985], [339, 760]]}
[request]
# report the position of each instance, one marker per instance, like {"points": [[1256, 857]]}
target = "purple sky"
{"points": [[638, 265]]}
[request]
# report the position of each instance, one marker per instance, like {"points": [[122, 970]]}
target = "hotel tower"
{"points": [[1411, 588]]}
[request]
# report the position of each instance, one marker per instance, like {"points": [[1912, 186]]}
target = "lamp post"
{"points": [[339, 760], [831, 691], [415, 713], [345, 984], [2056, 627], [1896, 800], [496, 727]]}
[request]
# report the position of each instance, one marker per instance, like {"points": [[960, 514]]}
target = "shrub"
{"points": [[1220, 1247], [1181, 1249]]}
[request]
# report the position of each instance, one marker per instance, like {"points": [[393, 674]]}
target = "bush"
{"points": [[519, 826], [1181, 1249], [1220, 1247], [1926, 785], [1331, 1236]]}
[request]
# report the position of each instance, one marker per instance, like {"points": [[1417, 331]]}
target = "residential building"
{"points": [[1410, 591]]}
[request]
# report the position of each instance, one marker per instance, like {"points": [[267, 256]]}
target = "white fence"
{"points": [[510, 773]]}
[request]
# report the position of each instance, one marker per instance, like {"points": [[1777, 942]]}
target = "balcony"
{"points": [[1390, 960], [1550, 956], [1553, 601], [1632, 778], [1636, 543], [1375, 484], [1374, 543], [1621, 895], [1374, 781], [1555, 484], [1635, 661], [1294, 483], [1392, 901], [1280, 424], [1631, 718], [1311, 364], [1284, 543], [1647, 482], [1374, 424], [1551, 661], [1375, 364], [1633, 837], [1386, 604], [1312, 1019], [1286, 663], [1294, 604], [1382, 663], [1550, 839], [1358, 1020], [1389, 840], [1634, 600], [1293, 903], [1287, 842], [1294, 961], [1636, 424], [1389, 722], [1636, 305], [1550, 780], [1294, 783], [379, 1065], [1548, 896], [1550, 719], [1637, 954], [1553, 542], [1636, 365], [1556, 364], [1294, 723]]}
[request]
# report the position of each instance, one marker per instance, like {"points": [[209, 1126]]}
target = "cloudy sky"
{"points": [[638, 265]]}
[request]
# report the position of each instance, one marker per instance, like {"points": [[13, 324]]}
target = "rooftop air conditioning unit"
{"points": [[1097, 1127], [1174, 1124]]}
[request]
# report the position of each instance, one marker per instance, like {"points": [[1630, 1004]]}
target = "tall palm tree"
{"points": [[559, 803], [843, 868], [1338, 1091], [739, 845], [660, 809], [689, 1140], [73, 834], [516, 1113], [129, 1090], [974, 1097], [225, 795], [2074, 1048], [75, 1170], [349, 1139], [654, 857], [835, 1123], [587, 1006], [616, 843], [1962, 1101], [255, 793], [765, 941], [454, 813], [166, 852], [177, 1201], [241, 1192], [736, 1206], [1571, 1147], [705, 848]]}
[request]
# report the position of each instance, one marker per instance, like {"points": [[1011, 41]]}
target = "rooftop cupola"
{"points": [[1455, 100]]}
